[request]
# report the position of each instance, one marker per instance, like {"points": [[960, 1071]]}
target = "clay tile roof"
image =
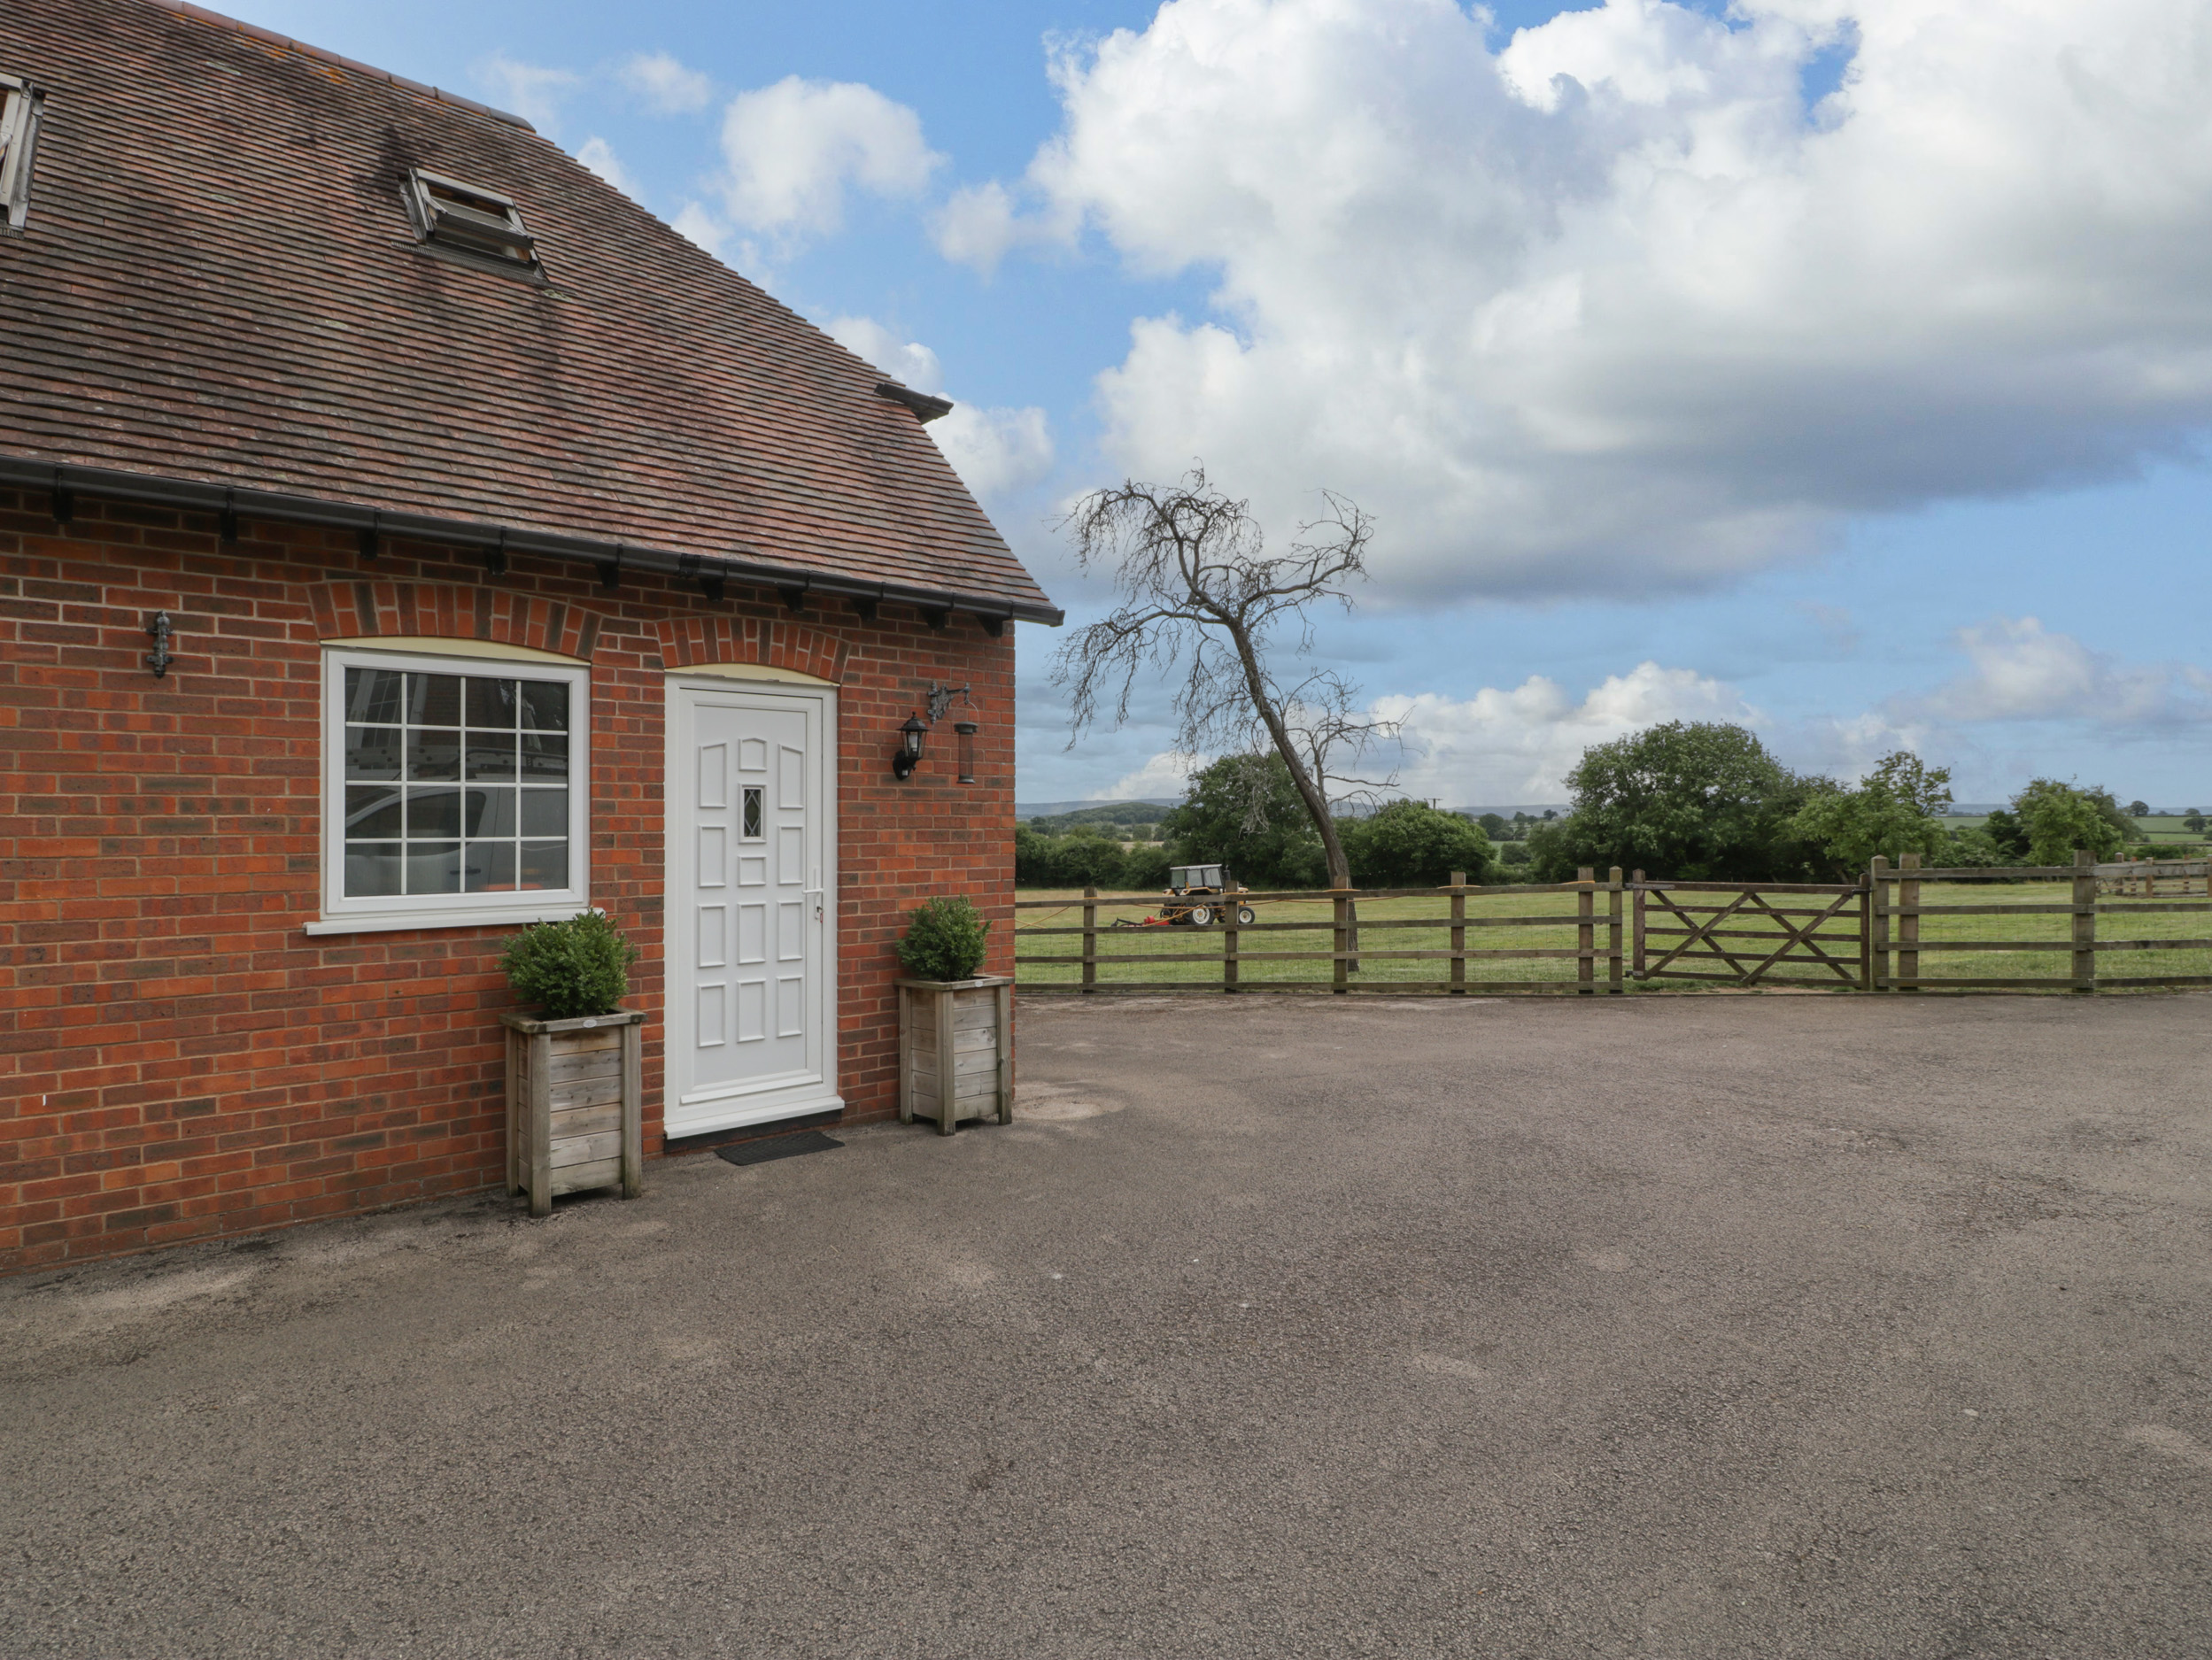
{"points": [[219, 284]]}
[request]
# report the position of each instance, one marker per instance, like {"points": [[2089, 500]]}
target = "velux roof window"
{"points": [[19, 132], [466, 219]]}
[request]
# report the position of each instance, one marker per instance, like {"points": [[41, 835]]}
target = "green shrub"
{"points": [[571, 968], [1412, 845], [1145, 868], [944, 941]]}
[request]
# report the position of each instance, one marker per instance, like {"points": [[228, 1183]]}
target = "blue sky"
{"points": [[1841, 366]]}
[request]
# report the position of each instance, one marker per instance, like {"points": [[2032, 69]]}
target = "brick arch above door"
{"points": [[369, 610], [686, 642]]}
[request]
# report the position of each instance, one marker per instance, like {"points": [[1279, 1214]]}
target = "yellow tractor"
{"points": [[1197, 896]]}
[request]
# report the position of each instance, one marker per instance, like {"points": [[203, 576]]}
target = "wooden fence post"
{"points": [[1908, 920], [1341, 979], [1878, 935], [2084, 920], [1586, 931], [1228, 946], [1090, 939], [1612, 932], [1459, 933], [1637, 879], [1865, 934]]}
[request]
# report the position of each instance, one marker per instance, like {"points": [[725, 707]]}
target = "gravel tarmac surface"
{"points": [[1750, 1326]]}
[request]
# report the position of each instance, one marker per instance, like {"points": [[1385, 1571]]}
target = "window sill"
{"points": [[485, 918]]}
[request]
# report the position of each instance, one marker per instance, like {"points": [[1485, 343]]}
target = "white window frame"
{"points": [[344, 915], [19, 103]]}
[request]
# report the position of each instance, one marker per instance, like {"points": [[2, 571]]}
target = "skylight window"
{"points": [[20, 101], [469, 219]]}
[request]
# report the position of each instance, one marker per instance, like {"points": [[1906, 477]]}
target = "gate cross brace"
{"points": [[1802, 936], [1699, 930]]}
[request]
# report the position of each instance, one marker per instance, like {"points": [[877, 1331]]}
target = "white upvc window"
{"points": [[454, 790]]}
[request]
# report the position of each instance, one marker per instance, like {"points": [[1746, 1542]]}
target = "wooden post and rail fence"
{"points": [[1864, 936]]}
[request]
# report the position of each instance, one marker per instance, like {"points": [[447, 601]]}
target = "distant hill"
{"points": [[1141, 811]]}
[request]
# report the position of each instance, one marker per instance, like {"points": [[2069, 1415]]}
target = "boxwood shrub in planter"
{"points": [[955, 1027], [574, 1090]]}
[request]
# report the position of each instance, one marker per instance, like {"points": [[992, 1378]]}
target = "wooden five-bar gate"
{"points": [[1864, 936]]}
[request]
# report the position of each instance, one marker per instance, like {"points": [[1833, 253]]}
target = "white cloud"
{"points": [[1518, 745], [532, 92], [909, 362], [976, 226], [2022, 671], [1164, 775], [695, 224], [665, 84], [1611, 307], [995, 451], [791, 150], [598, 155], [980, 224]]}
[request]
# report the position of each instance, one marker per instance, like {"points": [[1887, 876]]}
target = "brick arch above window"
{"points": [[362, 611], [688, 642]]}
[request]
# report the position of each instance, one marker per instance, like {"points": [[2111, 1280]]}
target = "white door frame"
{"points": [[743, 1104]]}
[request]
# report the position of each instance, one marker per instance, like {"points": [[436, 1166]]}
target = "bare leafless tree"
{"points": [[1201, 597]]}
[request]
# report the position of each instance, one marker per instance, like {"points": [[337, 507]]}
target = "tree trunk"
{"points": [[1309, 787]]}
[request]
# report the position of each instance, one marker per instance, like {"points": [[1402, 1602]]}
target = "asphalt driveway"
{"points": [[1713, 1326]]}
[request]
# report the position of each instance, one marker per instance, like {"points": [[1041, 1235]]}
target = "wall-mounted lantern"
{"points": [[907, 756], [159, 631]]}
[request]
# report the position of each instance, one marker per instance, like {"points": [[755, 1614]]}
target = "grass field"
{"points": [[1188, 956], [2159, 828]]}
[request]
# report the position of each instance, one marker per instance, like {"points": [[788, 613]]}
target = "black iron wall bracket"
{"points": [[160, 658]]}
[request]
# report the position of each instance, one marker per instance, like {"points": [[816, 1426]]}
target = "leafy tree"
{"points": [[2194, 822], [1972, 847], [1514, 856], [2008, 836], [1246, 812], [2137, 809], [1084, 858], [2058, 819], [1892, 811], [1694, 800], [1145, 868], [1495, 826], [1411, 845]]}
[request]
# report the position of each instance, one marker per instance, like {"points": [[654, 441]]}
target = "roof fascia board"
{"points": [[260, 504]]}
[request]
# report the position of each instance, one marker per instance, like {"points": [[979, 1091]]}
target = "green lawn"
{"points": [[1188, 956], [2160, 830]]}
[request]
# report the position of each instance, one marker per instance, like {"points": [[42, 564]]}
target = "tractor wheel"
{"points": [[1244, 914], [1201, 915]]}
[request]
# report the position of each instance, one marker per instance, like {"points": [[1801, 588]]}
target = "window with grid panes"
{"points": [[457, 788]]}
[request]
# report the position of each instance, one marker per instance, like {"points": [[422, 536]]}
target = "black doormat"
{"points": [[777, 1148]]}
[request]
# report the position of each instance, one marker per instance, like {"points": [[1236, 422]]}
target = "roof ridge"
{"points": [[201, 14]]}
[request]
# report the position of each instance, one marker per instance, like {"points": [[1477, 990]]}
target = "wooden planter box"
{"points": [[574, 1100], [956, 1050]]}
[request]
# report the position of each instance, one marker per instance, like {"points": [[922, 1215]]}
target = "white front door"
{"points": [[752, 924]]}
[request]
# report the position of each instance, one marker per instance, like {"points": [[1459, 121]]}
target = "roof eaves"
{"points": [[992, 609]]}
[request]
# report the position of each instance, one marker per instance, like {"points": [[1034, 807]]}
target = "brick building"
{"points": [[404, 537]]}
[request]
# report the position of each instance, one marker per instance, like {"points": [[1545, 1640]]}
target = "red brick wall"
{"points": [[177, 1057]]}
